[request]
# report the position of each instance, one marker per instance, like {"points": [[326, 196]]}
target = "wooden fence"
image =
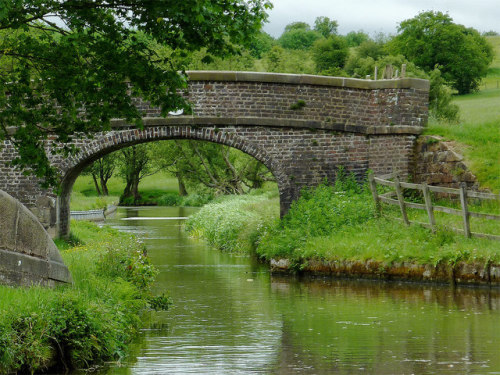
{"points": [[428, 205]]}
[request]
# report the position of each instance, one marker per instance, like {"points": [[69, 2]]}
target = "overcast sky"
{"points": [[375, 16]]}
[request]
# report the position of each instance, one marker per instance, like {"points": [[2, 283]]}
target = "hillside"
{"points": [[479, 127]]}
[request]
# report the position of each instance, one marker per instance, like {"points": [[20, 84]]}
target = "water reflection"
{"points": [[231, 317]]}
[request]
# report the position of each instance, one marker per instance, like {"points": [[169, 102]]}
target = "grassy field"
{"points": [[84, 196], [479, 129]]}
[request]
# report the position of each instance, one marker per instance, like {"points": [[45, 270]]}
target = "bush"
{"points": [[318, 212], [234, 222]]}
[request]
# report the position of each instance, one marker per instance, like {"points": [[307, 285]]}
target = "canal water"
{"points": [[230, 316]]}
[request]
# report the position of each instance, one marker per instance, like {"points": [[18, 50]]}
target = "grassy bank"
{"points": [[332, 224], [158, 190], [478, 132], [79, 325]]}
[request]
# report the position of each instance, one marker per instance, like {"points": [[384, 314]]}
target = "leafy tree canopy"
{"points": [[297, 26], [325, 26], [299, 39], [355, 38], [431, 39], [330, 53], [69, 65]]}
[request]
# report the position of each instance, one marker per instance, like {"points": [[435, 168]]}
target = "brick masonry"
{"points": [[356, 124]]}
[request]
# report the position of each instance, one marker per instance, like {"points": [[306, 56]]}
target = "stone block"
{"points": [[31, 237], [8, 221], [27, 253]]}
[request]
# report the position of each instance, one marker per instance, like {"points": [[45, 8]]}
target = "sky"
{"points": [[375, 16]]}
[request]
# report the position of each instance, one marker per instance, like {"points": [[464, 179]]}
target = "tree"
{"points": [[431, 39], [298, 35], [371, 48], [440, 99], [222, 169], [135, 165], [261, 45], [330, 53], [101, 171], [71, 65], [325, 26], [355, 38], [275, 60], [297, 26]]}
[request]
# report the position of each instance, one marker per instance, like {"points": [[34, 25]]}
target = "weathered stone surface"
{"points": [[27, 253], [437, 162], [357, 124], [462, 273]]}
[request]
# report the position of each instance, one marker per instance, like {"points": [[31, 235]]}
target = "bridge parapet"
{"points": [[396, 106]]}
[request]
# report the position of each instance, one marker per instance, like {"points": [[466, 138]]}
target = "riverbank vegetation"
{"points": [[84, 324], [333, 223]]}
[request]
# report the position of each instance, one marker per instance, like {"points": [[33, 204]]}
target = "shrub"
{"points": [[318, 212]]}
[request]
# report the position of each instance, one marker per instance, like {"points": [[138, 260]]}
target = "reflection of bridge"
{"points": [[301, 127]]}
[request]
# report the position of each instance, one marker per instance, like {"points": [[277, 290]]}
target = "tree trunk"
{"points": [[135, 189], [104, 186], [96, 185], [182, 187]]}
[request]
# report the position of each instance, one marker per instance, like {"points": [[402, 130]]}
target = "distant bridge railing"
{"points": [[396, 197]]}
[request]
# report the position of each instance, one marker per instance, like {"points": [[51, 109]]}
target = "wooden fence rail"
{"points": [[396, 197]]}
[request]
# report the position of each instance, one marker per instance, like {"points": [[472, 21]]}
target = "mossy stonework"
{"points": [[357, 124], [461, 273]]}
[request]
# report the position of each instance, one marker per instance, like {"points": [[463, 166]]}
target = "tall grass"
{"points": [[91, 321], [332, 223], [232, 223]]}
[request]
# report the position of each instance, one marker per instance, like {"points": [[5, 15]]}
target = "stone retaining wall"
{"points": [[437, 162], [459, 274], [27, 253]]}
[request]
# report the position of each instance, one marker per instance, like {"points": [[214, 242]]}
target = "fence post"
{"points": [[465, 211], [401, 200], [373, 188], [428, 205]]}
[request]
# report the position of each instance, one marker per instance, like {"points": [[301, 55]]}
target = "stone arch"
{"points": [[101, 145]]}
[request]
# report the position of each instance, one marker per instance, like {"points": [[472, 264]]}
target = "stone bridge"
{"points": [[301, 127]]}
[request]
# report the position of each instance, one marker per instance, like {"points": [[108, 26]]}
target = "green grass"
{"points": [[333, 224], [478, 132], [492, 81], [480, 146], [91, 321], [84, 195]]}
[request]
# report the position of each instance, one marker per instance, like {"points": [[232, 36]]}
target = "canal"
{"points": [[230, 316]]}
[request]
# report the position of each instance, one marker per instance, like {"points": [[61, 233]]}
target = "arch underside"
{"points": [[91, 150]]}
